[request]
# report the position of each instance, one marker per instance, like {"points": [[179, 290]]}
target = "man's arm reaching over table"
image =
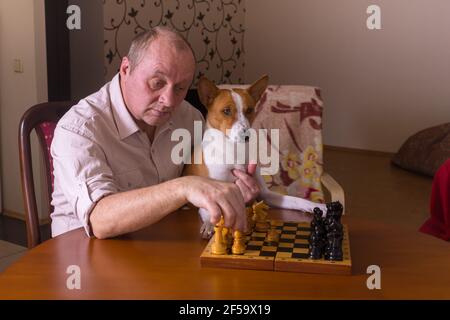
{"points": [[129, 211]]}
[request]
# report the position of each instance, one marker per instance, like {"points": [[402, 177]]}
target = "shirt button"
{"points": [[153, 151]]}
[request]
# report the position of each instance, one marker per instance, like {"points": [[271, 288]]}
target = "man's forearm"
{"points": [[129, 211]]}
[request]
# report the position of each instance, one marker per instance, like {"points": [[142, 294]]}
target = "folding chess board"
{"points": [[290, 253]]}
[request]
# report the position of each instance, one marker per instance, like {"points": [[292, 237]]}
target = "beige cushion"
{"points": [[425, 151]]}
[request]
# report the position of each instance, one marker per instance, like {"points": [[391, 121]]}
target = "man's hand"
{"points": [[248, 185], [218, 198]]}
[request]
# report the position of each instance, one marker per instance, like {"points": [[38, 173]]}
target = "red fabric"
{"points": [[438, 224], [48, 128]]}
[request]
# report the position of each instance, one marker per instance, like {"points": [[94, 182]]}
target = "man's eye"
{"points": [[156, 84], [227, 111]]}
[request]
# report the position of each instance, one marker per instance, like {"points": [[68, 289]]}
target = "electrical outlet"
{"points": [[18, 67]]}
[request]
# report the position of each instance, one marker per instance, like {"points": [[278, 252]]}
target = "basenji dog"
{"points": [[229, 118]]}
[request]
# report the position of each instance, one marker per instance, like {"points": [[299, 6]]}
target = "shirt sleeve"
{"points": [[82, 171]]}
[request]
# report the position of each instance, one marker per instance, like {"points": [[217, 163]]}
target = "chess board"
{"points": [[290, 253]]}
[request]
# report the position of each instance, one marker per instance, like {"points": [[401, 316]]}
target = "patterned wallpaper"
{"points": [[214, 28]]}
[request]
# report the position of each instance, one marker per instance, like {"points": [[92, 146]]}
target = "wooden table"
{"points": [[162, 262]]}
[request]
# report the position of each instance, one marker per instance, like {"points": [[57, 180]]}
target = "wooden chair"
{"points": [[42, 118]]}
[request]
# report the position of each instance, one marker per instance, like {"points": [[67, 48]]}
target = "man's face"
{"points": [[158, 84]]}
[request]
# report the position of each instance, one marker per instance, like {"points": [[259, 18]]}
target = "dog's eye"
{"points": [[227, 111], [249, 110]]}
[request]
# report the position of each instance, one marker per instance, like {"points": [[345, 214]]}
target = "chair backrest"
{"points": [[296, 111], [42, 118], [194, 100]]}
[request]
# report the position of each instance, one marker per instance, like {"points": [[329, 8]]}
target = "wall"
{"points": [[379, 86], [86, 50], [22, 35], [214, 28]]}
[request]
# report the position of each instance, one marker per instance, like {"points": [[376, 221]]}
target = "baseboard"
{"points": [[360, 151], [21, 216]]}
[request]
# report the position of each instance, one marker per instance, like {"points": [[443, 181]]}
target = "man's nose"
{"points": [[167, 97]]}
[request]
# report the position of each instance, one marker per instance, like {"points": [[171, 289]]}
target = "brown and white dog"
{"points": [[229, 118]]}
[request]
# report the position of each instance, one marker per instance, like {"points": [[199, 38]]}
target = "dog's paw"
{"points": [[322, 207], [207, 230]]}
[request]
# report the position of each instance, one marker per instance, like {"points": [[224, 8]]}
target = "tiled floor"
{"points": [[9, 253]]}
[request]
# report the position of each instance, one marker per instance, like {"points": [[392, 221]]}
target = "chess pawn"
{"points": [[273, 235], [315, 252], [250, 221], [315, 246], [317, 217], [333, 250], [318, 226], [226, 237], [327, 220], [219, 246], [238, 243], [334, 253]]}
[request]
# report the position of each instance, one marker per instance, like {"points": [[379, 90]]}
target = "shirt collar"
{"points": [[126, 125]]}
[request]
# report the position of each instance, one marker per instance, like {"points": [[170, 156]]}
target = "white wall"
{"points": [[379, 86], [22, 36]]}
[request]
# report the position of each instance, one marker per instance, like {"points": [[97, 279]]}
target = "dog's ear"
{"points": [[258, 87], [207, 91]]}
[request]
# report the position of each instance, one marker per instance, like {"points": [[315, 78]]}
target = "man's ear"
{"points": [[124, 66], [258, 87], [207, 91]]}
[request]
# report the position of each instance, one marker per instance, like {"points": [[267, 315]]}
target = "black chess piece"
{"points": [[328, 218], [335, 232], [333, 249], [317, 218], [316, 238]]}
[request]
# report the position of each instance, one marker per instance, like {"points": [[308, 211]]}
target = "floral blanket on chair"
{"points": [[297, 112]]}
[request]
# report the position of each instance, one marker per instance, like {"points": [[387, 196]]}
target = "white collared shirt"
{"points": [[98, 149]]}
